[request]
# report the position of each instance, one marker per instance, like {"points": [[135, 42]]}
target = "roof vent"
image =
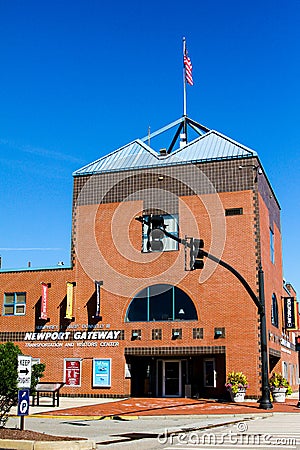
{"points": [[163, 151]]}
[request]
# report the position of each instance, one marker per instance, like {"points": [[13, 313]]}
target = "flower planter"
{"points": [[239, 396], [279, 395]]}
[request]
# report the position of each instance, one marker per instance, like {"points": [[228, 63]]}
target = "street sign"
{"points": [[24, 371], [23, 402]]}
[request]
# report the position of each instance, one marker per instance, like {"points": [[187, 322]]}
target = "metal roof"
{"points": [[138, 155]]}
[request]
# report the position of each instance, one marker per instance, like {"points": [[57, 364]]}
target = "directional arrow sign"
{"points": [[24, 371]]}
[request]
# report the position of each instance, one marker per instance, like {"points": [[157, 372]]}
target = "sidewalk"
{"points": [[101, 408]]}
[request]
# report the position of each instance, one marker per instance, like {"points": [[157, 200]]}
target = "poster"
{"points": [[102, 372], [72, 372]]}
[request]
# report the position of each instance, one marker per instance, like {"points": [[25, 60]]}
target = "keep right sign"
{"points": [[24, 371]]}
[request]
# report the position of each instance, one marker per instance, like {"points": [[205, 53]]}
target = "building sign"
{"points": [[102, 372], [72, 372], [44, 301], [76, 335], [290, 313]]}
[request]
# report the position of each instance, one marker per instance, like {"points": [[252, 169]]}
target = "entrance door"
{"points": [[171, 379]]}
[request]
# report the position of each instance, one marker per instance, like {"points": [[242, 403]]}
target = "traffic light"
{"points": [[155, 233], [196, 254]]}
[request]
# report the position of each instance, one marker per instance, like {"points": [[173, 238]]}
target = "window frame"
{"points": [[272, 246], [15, 304], [274, 311], [205, 372], [174, 245], [180, 305]]}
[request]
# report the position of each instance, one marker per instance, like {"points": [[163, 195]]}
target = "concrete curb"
{"points": [[111, 417], [47, 445]]}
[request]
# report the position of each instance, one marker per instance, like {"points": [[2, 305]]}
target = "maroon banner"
{"points": [[44, 301], [72, 372]]}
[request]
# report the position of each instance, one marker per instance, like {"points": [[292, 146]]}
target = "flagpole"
{"points": [[184, 80]]}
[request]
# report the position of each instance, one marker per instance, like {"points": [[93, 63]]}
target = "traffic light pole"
{"points": [[265, 401]]}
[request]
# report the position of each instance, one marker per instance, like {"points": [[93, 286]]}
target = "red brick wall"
{"points": [[108, 248]]}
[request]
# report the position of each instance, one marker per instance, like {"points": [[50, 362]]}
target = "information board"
{"points": [[102, 372], [72, 372]]}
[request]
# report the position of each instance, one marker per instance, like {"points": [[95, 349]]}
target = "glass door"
{"points": [[171, 379]]}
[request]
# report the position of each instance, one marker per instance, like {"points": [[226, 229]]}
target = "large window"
{"points": [[161, 302], [14, 304], [274, 311], [171, 222]]}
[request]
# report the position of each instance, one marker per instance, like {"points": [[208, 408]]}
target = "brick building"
{"points": [[125, 320]]}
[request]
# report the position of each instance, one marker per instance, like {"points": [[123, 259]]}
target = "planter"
{"points": [[239, 396], [279, 395]]}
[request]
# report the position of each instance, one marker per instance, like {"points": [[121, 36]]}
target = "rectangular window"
{"points": [[197, 333], [14, 304], [272, 250], [234, 212], [171, 223]]}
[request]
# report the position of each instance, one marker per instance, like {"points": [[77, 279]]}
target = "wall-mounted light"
{"points": [[257, 169]]}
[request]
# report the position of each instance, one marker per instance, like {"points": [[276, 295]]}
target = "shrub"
{"points": [[8, 379], [236, 380], [278, 381], [36, 373]]}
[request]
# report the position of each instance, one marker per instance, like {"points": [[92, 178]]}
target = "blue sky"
{"points": [[80, 78]]}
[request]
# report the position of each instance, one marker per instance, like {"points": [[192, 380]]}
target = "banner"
{"points": [[70, 294], [98, 284], [290, 313], [44, 301]]}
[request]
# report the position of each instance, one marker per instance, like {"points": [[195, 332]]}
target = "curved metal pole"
{"points": [[265, 401]]}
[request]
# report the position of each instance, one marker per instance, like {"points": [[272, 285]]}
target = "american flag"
{"points": [[188, 70]]}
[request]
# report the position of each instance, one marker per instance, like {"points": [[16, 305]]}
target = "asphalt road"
{"points": [[261, 431]]}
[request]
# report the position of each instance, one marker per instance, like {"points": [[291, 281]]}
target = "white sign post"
{"points": [[24, 371]]}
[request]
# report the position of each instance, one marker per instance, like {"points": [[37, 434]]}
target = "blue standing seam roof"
{"points": [[138, 155]]}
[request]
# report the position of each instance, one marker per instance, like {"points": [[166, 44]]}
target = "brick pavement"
{"points": [[169, 406]]}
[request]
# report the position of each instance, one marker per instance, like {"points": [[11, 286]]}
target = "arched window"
{"points": [[161, 302], [274, 311]]}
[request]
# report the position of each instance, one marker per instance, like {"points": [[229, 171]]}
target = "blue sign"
{"points": [[102, 372], [23, 402]]}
